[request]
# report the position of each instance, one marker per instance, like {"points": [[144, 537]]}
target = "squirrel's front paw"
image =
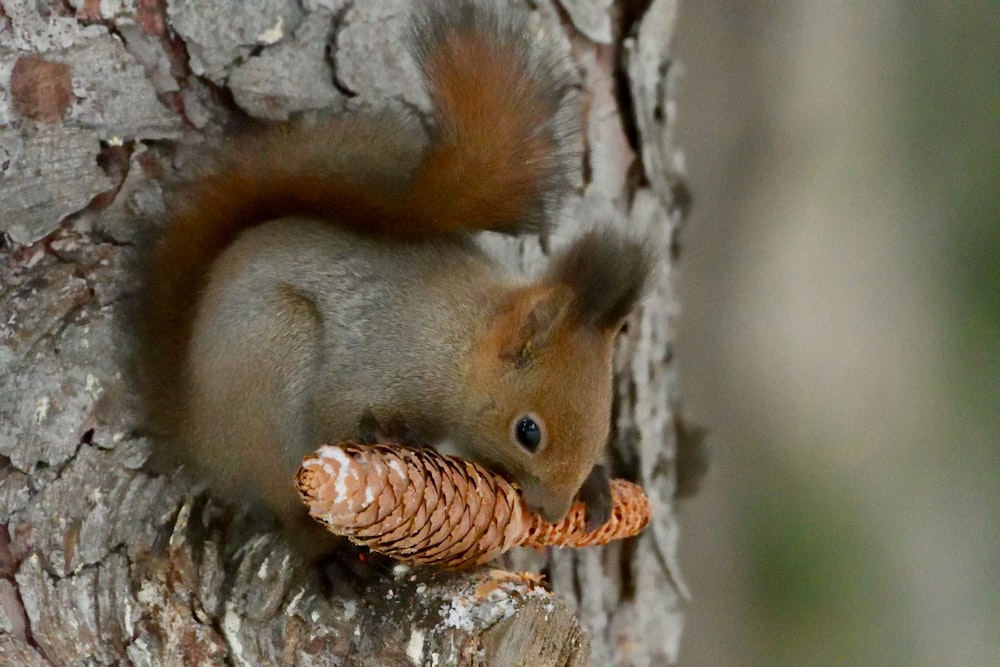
{"points": [[596, 496], [369, 431], [396, 430]]}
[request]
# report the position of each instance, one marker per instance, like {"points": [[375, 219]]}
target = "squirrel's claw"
{"points": [[596, 496]]}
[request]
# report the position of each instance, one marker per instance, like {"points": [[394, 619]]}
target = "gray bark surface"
{"points": [[102, 562]]}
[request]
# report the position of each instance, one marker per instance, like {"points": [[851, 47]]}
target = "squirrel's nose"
{"points": [[551, 509]]}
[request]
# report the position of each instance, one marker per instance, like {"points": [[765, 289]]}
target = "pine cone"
{"points": [[419, 506]]}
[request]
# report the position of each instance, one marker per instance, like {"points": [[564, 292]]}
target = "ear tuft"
{"points": [[607, 272]]}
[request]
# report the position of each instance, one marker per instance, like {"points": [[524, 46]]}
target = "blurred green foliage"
{"points": [[820, 580], [837, 546]]}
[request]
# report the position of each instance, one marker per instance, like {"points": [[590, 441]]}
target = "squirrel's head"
{"points": [[542, 377]]}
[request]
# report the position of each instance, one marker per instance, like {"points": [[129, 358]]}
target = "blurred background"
{"points": [[841, 331]]}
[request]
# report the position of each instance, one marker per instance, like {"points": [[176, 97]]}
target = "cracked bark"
{"points": [[104, 563]]}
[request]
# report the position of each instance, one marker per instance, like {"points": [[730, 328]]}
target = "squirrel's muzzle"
{"points": [[553, 507]]}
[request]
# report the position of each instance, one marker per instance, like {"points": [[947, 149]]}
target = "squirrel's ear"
{"points": [[528, 321], [607, 274]]}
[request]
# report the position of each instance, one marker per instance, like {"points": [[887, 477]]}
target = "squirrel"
{"points": [[322, 283]]}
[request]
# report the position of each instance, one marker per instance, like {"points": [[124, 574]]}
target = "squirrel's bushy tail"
{"points": [[505, 141], [503, 145]]}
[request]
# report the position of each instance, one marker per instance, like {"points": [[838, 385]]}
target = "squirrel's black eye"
{"points": [[528, 433]]}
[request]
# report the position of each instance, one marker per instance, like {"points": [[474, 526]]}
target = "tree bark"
{"points": [[102, 562]]}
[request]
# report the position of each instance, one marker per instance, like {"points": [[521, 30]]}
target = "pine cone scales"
{"points": [[419, 506]]}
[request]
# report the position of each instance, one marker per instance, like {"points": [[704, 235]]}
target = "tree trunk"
{"points": [[102, 562]]}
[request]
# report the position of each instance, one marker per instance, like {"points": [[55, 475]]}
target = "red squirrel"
{"points": [[321, 283]]}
